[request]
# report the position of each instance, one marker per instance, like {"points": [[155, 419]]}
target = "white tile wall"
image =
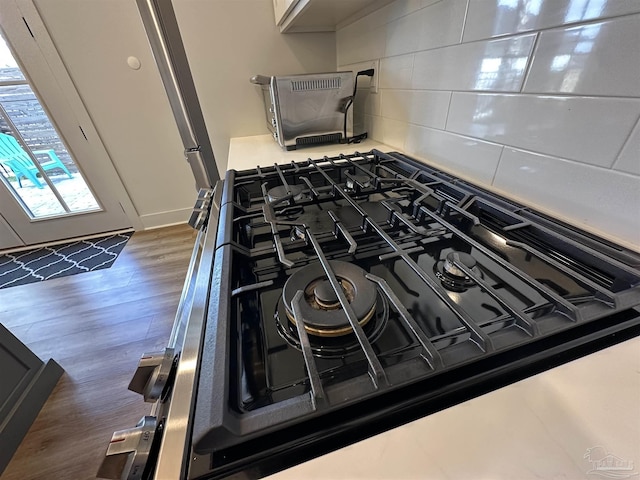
{"points": [[365, 45], [587, 129], [494, 65], [586, 60], [402, 35], [396, 72], [471, 158], [491, 18], [394, 132], [629, 158], [425, 107], [441, 24], [596, 197], [547, 113]]}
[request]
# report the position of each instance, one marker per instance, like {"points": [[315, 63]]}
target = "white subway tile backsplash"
{"points": [[373, 127], [400, 8], [585, 129], [588, 60], [402, 35], [591, 197], [390, 12], [567, 112], [372, 104], [384, 15], [441, 24], [357, 46], [629, 158], [495, 65], [489, 18], [396, 72], [374, 20], [424, 107], [394, 132], [467, 157]]}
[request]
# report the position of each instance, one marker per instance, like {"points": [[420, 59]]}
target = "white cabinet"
{"points": [[282, 8], [321, 15]]}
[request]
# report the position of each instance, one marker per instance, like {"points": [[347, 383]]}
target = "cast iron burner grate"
{"points": [[456, 276]]}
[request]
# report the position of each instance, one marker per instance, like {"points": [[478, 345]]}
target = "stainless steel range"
{"points": [[335, 298]]}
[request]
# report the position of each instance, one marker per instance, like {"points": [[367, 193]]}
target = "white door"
{"points": [[56, 179]]}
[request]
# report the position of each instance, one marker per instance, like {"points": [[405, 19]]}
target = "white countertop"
{"points": [[247, 152], [538, 428]]}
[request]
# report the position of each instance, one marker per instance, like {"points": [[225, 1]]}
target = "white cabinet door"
{"points": [[282, 9]]}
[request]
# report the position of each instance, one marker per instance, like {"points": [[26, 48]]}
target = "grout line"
{"points": [[624, 144], [512, 146], [520, 94], [511, 35], [562, 26], [446, 119], [413, 69], [464, 21], [556, 94], [521, 149], [495, 173], [530, 59]]}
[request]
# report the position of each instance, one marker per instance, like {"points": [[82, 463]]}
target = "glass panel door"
{"points": [[57, 181], [35, 165]]}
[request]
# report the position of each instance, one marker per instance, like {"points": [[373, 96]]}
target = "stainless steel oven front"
{"points": [[157, 446]]}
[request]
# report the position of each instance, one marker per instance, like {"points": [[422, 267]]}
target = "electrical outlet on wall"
{"points": [[373, 85], [362, 81]]}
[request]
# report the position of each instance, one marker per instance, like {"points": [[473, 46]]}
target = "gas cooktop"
{"points": [[357, 292]]}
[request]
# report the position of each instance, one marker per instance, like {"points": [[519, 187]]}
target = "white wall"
{"points": [[537, 99], [229, 41], [128, 107]]}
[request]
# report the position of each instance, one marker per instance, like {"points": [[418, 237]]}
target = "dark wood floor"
{"points": [[95, 325]]}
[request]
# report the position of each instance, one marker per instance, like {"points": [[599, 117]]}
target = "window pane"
{"points": [[9, 69], [39, 202], [27, 119]]}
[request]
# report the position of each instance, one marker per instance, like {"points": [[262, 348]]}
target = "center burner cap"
{"points": [[357, 180], [276, 193], [452, 276], [460, 257], [320, 308], [325, 295]]}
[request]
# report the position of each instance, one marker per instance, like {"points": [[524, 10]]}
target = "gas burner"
{"points": [[354, 181], [321, 310], [276, 193], [452, 277], [325, 298], [321, 223], [350, 217], [317, 222]]}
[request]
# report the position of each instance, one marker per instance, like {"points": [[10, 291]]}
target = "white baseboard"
{"points": [[165, 219]]}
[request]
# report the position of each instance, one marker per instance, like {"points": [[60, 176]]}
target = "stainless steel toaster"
{"points": [[307, 109]]}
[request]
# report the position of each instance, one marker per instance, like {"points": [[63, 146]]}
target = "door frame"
{"points": [[48, 76]]}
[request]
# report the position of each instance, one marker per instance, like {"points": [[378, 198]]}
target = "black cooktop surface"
{"points": [[351, 286]]}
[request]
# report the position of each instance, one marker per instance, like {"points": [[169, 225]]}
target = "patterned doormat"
{"points": [[56, 261]]}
